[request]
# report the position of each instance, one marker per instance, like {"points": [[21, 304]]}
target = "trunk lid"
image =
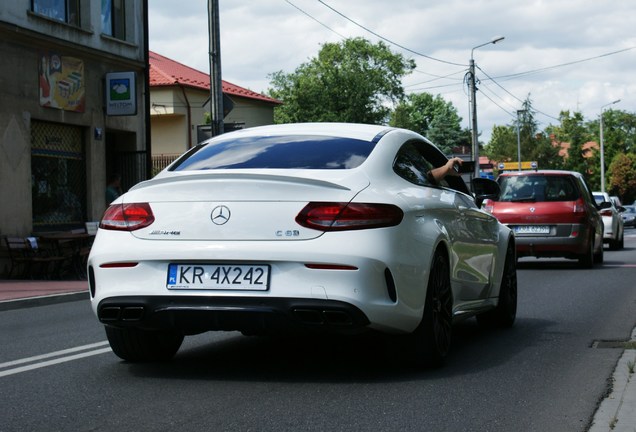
{"points": [[224, 206]]}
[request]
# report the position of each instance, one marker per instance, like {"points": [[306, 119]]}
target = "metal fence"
{"points": [[161, 161]]}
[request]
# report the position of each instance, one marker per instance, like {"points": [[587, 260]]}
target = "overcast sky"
{"points": [[597, 39]]}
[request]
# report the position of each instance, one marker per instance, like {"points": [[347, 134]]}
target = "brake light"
{"points": [[579, 206], [606, 212], [488, 205], [330, 216], [127, 217]]}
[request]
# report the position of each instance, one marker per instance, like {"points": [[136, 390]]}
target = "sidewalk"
{"points": [[616, 413], [17, 294]]}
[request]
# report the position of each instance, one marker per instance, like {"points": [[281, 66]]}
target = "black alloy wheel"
{"points": [[432, 338], [505, 313]]}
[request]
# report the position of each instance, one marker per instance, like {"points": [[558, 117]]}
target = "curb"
{"points": [[617, 412], [43, 300]]}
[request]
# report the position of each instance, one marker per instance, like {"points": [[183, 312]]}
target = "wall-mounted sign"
{"points": [[61, 82], [121, 94]]}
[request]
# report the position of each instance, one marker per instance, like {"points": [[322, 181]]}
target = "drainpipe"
{"points": [[188, 115], [147, 132]]}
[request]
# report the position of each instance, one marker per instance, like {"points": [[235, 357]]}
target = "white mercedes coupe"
{"points": [[311, 227]]}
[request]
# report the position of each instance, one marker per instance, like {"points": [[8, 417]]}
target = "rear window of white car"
{"points": [[537, 188], [276, 152]]}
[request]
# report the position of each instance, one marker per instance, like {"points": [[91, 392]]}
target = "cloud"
{"points": [[259, 38]]}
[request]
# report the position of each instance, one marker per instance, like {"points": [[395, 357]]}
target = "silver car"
{"points": [[613, 231], [629, 216]]}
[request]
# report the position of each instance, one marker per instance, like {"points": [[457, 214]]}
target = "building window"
{"points": [[67, 11], [114, 18]]}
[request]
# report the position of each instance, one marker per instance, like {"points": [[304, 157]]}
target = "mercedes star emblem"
{"points": [[220, 215]]}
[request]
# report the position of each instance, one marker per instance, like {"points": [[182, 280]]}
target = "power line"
{"points": [[319, 22], [530, 72], [496, 104], [388, 40], [501, 87], [437, 77], [344, 37]]}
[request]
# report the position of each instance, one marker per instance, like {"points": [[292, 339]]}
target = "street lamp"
{"points": [[473, 102], [602, 146], [519, 112]]}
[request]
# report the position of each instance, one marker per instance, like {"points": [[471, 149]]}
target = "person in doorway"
{"points": [[113, 188]]}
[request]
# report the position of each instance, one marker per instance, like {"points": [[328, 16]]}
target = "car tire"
{"points": [[600, 255], [587, 259], [431, 339], [613, 244], [504, 315], [136, 345]]}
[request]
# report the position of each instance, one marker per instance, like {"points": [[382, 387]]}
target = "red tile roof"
{"points": [[167, 72]]}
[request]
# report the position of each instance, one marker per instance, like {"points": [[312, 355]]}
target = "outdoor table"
{"points": [[73, 245]]}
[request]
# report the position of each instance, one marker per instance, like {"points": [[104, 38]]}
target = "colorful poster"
{"points": [[61, 82]]}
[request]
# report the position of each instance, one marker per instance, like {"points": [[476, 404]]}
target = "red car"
{"points": [[552, 213]]}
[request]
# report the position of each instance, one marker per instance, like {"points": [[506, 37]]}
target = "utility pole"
{"points": [[473, 115], [216, 84], [473, 103], [603, 145]]}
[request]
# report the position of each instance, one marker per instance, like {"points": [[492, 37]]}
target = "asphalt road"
{"points": [[545, 374]]}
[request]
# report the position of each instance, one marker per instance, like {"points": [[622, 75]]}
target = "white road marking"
{"points": [[62, 358]]}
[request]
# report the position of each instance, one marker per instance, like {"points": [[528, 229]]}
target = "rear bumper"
{"points": [[563, 244], [254, 315]]}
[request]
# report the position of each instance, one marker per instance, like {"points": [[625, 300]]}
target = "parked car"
{"points": [[552, 213], [616, 200], [317, 227], [629, 216], [613, 222]]}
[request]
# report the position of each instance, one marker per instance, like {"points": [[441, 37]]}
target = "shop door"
{"points": [[58, 176]]}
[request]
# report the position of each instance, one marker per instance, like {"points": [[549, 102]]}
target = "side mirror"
{"points": [[605, 205], [485, 189]]}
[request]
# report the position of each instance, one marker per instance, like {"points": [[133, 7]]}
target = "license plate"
{"points": [[532, 229], [218, 277]]}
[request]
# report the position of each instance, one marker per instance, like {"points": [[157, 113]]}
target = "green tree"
{"points": [[573, 133], [535, 145], [502, 146], [351, 81], [619, 137], [432, 117], [623, 179]]}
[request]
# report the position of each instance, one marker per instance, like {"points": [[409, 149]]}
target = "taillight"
{"points": [[330, 216], [606, 212], [579, 206], [127, 217], [488, 205]]}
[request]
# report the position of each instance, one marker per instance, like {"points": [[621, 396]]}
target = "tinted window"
{"points": [[534, 188], [411, 165], [304, 152]]}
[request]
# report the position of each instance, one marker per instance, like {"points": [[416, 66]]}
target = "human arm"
{"points": [[437, 174]]}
